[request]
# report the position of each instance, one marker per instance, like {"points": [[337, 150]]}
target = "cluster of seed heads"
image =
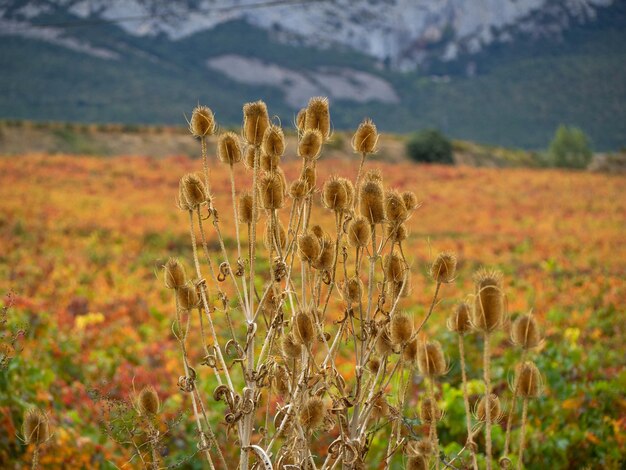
{"points": [[330, 295]]}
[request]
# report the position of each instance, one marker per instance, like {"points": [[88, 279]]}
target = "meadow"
{"points": [[84, 238]]}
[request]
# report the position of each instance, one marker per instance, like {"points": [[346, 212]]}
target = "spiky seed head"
{"points": [[309, 247], [312, 413], [417, 462], [383, 343], [318, 231], [380, 408], [334, 195], [318, 116], [411, 351], [349, 187], [280, 381], [459, 321], [187, 297], [173, 274], [525, 332], [373, 174], [310, 144], [297, 190], [400, 329], [202, 122], [303, 329], [373, 365], [274, 141], [397, 233], [271, 192], [410, 200], [269, 163], [36, 427], [324, 261], [182, 203], [255, 121], [443, 268], [280, 236], [359, 232], [422, 447], [528, 380], [290, 347], [395, 209], [300, 118], [426, 410], [309, 176], [193, 190], [249, 157], [401, 288], [353, 290], [372, 202], [365, 138], [245, 208], [488, 311], [394, 267], [148, 401], [228, 148], [431, 360], [495, 409]]}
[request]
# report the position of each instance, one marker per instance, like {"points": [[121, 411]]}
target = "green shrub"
{"points": [[429, 146], [569, 148]]}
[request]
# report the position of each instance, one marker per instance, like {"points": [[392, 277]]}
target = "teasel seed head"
{"points": [[528, 380], [310, 144], [255, 121], [281, 236], [421, 447], [410, 200], [372, 202], [193, 190], [443, 268], [280, 381], [36, 427], [495, 409], [318, 231], [334, 195], [228, 148], [324, 261], [174, 274], [394, 267], [459, 322], [525, 332], [359, 232], [373, 174], [309, 176], [318, 116], [417, 462], [397, 233], [297, 190], [426, 410], [312, 413], [187, 297], [349, 187], [373, 365], [274, 141], [488, 311], [271, 192], [400, 329], [365, 138], [202, 122], [431, 360], [395, 209], [353, 289], [303, 329], [290, 347], [410, 353], [383, 343], [269, 163], [148, 401], [380, 408], [401, 288], [250, 156], [300, 118], [309, 247], [245, 213]]}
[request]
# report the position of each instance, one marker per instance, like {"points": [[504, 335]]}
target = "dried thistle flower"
{"points": [[246, 212], [250, 157], [312, 413], [255, 121], [309, 247], [193, 190], [525, 332], [410, 353], [426, 410], [397, 233], [495, 409], [334, 195], [380, 408], [384, 344], [318, 231], [459, 321], [373, 174], [318, 116], [349, 187], [290, 347], [353, 289], [310, 144], [359, 232], [228, 148], [173, 274], [271, 192], [417, 462], [443, 268], [298, 189], [280, 381], [325, 260], [187, 297], [488, 312], [303, 329], [410, 200], [394, 267], [422, 447], [36, 427], [202, 122], [372, 202], [274, 141], [394, 208], [373, 365], [365, 138], [528, 380], [148, 401], [400, 329], [309, 176], [431, 360], [300, 118], [269, 163]]}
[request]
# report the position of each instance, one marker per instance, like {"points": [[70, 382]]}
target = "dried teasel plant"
{"points": [[278, 318]]}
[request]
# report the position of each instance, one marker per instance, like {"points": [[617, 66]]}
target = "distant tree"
{"points": [[429, 146], [569, 148]]}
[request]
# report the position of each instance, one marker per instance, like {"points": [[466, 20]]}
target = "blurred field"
{"points": [[83, 238]]}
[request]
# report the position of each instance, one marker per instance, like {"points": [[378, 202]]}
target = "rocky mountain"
{"points": [[500, 71]]}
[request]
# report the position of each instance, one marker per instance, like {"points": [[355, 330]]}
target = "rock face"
{"points": [[399, 33]]}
